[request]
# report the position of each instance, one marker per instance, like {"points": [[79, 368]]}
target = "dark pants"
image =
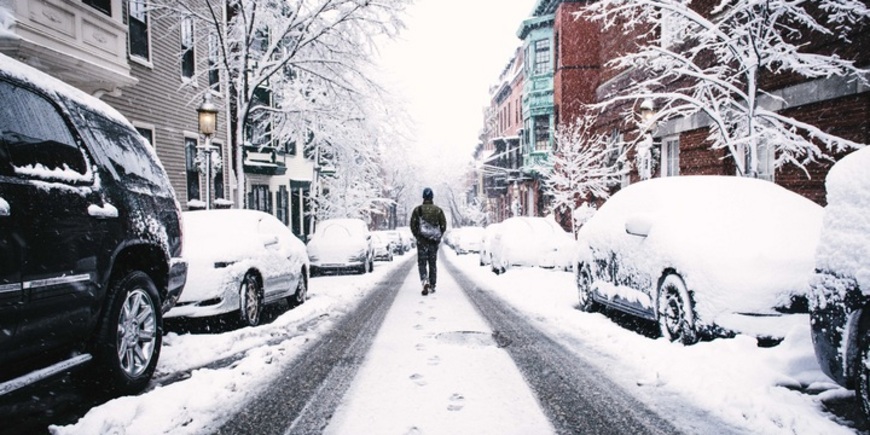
{"points": [[427, 254]]}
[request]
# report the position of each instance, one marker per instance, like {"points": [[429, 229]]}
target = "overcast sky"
{"points": [[444, 62]]}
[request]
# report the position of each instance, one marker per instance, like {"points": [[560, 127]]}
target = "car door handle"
{"points": [[5, 209], [107, 211]]}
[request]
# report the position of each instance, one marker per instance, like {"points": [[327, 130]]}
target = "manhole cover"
{"points": [[471, 338]]}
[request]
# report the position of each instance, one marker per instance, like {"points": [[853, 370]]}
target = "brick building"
{"points": [[834, 105], [499, 155]]}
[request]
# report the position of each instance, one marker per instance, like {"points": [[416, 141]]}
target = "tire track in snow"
{"points": [[304, 398], [576, 396]]}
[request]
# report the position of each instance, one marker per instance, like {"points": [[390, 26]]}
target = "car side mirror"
{"points": [[638, 225]]}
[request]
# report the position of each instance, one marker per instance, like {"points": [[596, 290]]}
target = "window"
{"points": [[260, 198], [188, 59], [29, 146], [214, 77], [671, 157], [218, 170], [542, 56], [542, 133], [139, 35], [766, 161], [121, 148], [258, 131], [616, 158], [148, 134], [104, 6], [190, 153], [282, 206]]}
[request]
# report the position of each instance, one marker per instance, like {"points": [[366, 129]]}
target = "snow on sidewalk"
{"points": [[434, 368]]}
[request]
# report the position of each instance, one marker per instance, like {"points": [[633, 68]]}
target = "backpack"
{"points": [[428, 231]]}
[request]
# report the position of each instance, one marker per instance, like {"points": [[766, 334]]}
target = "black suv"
{"points": [[90, 237]]}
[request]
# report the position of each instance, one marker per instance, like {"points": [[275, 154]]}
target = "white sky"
{"points": [[444, 62]]}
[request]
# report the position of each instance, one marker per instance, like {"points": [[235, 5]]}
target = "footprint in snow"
{"points": [[433, 318], [414, 430], [435, 360], [420, 346], [418, 379], [457, 402], [418, 326]]}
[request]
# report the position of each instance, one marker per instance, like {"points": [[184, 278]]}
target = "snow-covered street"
{"points": [[434, 366]]}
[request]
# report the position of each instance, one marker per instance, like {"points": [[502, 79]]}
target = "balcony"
{"points": [[77, 43], [263, 161]]}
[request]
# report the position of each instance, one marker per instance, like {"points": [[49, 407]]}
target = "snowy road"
{"points": [[436, 366]]}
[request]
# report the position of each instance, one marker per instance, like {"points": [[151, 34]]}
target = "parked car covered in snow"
{"points": [[382, 244], [408, 240], [485, 253], [840, 290], [702, 256], [240, 261], [530, 241], [466, 240], [90, 238], [397, 244], [340, 245]]}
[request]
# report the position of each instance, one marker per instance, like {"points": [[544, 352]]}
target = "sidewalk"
{"points": [[434, 368]]}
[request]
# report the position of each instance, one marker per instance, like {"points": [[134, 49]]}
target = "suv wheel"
{"points": [[130, 335]]}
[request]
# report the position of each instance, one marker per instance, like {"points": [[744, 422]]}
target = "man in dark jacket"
{"points": [[428, 225]]}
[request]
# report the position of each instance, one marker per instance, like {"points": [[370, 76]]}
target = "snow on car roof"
{"points": [[355, 225], [41, 80], [210, 231]]}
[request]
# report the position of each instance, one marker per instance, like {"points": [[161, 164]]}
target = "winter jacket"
{"points": [[431, 213]]}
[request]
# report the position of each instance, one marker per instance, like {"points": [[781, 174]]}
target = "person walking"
{"points": [[428, 225]]}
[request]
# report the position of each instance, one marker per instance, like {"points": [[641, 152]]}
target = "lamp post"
{"points": [[207, 112], [644, 148]]}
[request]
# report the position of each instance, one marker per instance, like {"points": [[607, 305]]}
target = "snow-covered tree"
{"points": [[586, 165], [709, 62], [353, 190], [295, 68]]}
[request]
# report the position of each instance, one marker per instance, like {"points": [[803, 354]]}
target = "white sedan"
{"points": [[340, 245], [702, 256], [530, 241], [240, 260]]}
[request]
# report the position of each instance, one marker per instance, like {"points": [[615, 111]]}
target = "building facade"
{"points": [[499, 153]]}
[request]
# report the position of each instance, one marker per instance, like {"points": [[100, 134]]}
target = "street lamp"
{"points": [[644, 148], [647, 110], [207, 112]]}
